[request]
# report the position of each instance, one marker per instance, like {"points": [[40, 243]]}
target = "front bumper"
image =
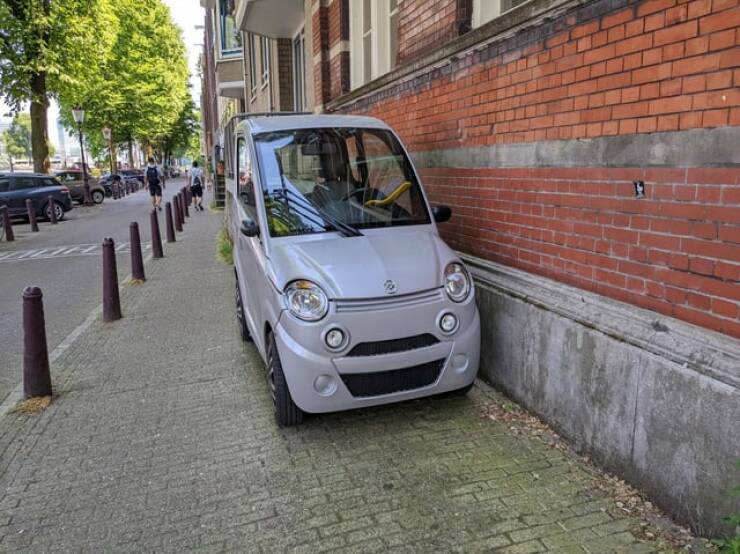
{"points": [[321, 380]]}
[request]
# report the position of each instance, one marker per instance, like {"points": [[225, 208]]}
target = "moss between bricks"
{"points": [[224, 247]]}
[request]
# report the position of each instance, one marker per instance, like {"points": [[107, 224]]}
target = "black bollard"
{"points": [[52, 209], [36, 376], [185, 203], [9, 236], [137, 261], [111, 301], [32, 215], [181, 194], [156, 237], [178, 214], [170, 226]]}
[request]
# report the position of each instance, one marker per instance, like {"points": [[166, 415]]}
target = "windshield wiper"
{"points": [[301, 202]]}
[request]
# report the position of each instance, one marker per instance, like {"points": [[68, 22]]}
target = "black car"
{"points": [[137, 174], [16, 188], [106, 181]]}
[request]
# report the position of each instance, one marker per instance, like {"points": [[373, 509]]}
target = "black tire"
{"points": [[97, 196], [287, 414], [240, 317], [57, 207]]}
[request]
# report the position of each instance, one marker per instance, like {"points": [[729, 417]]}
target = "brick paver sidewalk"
{"points": [[162, 439]]}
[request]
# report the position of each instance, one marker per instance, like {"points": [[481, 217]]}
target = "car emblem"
{"points": [[390, 287]]}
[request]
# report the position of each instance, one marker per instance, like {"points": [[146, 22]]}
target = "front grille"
{"points": [[393, 345], [395, 380], [389, 303]]}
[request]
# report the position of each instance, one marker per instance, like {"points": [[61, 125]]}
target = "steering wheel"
{"points": [[354, 192]]}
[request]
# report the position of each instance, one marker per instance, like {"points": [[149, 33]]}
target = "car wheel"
{"points": [[97, 196], [58, 209], [240, 317], [287, 413]]}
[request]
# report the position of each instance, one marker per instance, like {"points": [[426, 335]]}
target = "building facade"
{"points": [[590, 152]]}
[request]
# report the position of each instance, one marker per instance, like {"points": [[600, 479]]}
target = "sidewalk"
{"points": [[162, 438]]}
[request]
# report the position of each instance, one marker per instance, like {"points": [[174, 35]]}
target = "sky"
{"points": [[186, 14]]}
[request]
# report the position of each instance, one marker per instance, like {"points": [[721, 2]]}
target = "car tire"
{"points": [[57, 207], [240, 316], [287, 414], [97, 196]]}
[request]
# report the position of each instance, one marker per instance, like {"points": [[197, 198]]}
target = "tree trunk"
{"points": [[131, 153], [39, 131]]}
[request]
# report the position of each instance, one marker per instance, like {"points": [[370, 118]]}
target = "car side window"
{"points": [[4, 185], [50, 183], [21, 183], [245, 184]]}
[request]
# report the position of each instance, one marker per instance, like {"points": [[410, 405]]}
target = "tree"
{"points": [[47, 47], [17, 138], [179, 139], [141, 88]]}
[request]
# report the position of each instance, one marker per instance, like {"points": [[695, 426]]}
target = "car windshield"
{"points": [[343, 179]]}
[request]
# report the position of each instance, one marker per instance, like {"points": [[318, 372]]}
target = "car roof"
{"points": [[266, 124], [24, 174]]}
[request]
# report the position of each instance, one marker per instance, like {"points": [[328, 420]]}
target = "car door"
{"points": [[20, 189], [249, 254]]}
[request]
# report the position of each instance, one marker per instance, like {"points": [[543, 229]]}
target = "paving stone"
{"points": [[162, 439]]}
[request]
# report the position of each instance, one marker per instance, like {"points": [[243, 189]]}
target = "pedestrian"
{"points": [[196, 186], [153, 179]]}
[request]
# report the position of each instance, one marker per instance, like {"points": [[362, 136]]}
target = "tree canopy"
{"points": [[17, 137], [123, 61]]}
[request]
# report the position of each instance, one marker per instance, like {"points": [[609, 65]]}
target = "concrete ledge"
{"points": [[651, 398]]}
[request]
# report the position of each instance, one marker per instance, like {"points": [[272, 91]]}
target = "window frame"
{"points": [[299, 70], [265, 54], [252, 67], [220, 27], [381, 57], [485, 11]]}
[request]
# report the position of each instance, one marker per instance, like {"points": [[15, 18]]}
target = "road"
{"points": [[65, 261]]}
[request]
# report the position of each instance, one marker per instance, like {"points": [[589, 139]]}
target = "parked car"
{"points": [[106, 181], [137, 174], [342, 280], [16, 188], [74, 179]]}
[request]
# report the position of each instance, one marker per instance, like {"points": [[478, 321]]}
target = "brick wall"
{"points": [[596, 71], [425, 24]]}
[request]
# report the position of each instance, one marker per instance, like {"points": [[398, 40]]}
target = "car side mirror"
{"points": [[249, 228], [441, 213]]}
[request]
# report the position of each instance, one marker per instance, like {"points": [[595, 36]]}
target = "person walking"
{"points": [[196, 186], [153, 179]]}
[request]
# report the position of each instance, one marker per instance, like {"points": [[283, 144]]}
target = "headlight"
{"points": [[457, 282], [306, 300]]}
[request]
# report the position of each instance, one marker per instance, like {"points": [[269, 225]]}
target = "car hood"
{"points": [[359, 267]]}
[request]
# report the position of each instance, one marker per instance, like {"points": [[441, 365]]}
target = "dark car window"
{"points": [[50, 183], [21, 183], [4, 185]]}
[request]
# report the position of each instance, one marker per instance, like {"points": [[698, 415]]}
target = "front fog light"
{"points": [[334, 339], [448, 323]]}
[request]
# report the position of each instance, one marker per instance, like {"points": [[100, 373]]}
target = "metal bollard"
{"points": [[9, 236], [137, 261], [53, 211], [156, 237], [185, 203], [31, 209], [111, 301], [36, 376], [178, 214], [170, 226], [181, 194]]}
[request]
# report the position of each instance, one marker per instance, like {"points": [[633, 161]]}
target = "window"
{"points": [[319, 180], [231, 40], [4, 185], [245, 184], [21, 183], [393, 15], [373, 39], [487, 10], [265, 59], [252, 65], [299, 71]]}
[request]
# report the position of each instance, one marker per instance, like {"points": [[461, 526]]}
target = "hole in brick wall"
{"points": [[639, 189]]}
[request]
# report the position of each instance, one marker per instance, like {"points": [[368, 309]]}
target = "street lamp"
{"points": [[79, 116]]}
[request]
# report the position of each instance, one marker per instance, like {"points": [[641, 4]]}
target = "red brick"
{"points": [[725, 308], [702, 266], [715, 118], [655, 21], [676, 33], [652, 6], [727, 270], [670, 105], [729, 233], [694, 83], [699, 8], [718, 21], [723, 39], [696, 46], [697, 64]]}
